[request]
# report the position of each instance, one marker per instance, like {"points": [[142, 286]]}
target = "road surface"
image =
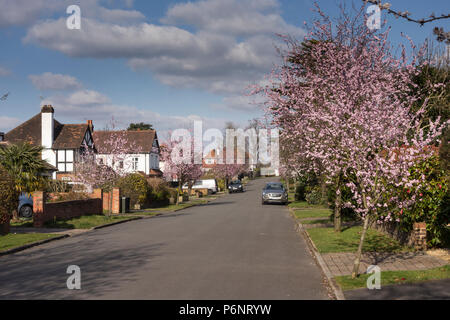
{"points": [[232, 248]]}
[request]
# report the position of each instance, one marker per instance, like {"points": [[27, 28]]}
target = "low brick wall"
{"points": [[417, 238], [116, 197], [43, 211]]}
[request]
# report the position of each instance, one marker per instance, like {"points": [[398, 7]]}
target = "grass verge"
{"points": [[11, 240], [327, 240], [304, 205], [312, 213], [85, 222], [395, 277]]}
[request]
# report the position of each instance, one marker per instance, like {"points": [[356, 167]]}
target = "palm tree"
{"points": [[24, 164]]}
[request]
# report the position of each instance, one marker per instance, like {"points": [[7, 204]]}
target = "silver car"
{"points": [[274, 192]]}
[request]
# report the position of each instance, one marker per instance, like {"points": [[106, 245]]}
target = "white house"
{"points": [[137, 151], [63, 143]]}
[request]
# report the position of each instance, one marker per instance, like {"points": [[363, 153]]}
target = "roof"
{"points": [[66, 136], [140, 141], [70, 136]]}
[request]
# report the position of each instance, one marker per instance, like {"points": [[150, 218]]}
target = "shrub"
{"points": [[135, 187], [300, 192], [432, 206], [160, 191], [314, 195], [70, 196], [9, 197]]}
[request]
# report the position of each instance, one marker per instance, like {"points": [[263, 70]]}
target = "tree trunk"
{"points": [[337, 206], [359, 252], [337, 211]]}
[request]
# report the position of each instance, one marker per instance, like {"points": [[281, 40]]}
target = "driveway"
{"points": [[232, 248]]}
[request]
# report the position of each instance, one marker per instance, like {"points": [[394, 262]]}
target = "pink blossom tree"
{"points": [[93, 171], [175, 168], [228, 171], [347, 112]]}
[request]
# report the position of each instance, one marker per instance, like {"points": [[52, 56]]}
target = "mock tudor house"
{"points": [[141, 156], [62, 143]]}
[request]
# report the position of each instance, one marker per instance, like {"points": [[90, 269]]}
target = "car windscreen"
{"points": [[274, 187]]}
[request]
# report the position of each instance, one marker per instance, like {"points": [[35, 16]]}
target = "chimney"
{"points": [[91, 126], [47, 126], [2, 136]]}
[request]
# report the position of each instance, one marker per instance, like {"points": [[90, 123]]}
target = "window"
{"points": [[64, 159], [135, 164], [121, 164], [101, 161]]}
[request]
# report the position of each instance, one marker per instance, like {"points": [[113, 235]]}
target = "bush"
{"points": [[160, 192], [9, 197], [135, 187], [70, 196], [314, 195], [300, 192], [433, 204]]}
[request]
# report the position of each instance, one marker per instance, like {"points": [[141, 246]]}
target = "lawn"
{"points": [[395, 277], [315, 221], [85, 222], [304, 205], [16, 240], [312, 213], [327, 240]]}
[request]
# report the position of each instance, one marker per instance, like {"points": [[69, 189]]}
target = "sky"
{"points": [[167, 63]]}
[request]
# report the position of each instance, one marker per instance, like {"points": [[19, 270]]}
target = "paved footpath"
{"points": [[232, 248], [341, 263]]}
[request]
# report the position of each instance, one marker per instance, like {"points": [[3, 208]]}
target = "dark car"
{"points": [[25, 207], [235, 186], [274, 192]]}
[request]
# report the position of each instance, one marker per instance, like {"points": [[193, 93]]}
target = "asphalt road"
{"points": [[232, 248]]}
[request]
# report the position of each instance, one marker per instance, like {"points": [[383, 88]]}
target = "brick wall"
{"points": [[116, 196], [43, 211], [417, 238]]}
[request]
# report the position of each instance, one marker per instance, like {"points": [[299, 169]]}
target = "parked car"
{"points": [[235, 186], [25, 208], [210, 184], [274, 192]]}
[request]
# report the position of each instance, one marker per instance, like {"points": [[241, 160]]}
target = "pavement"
{"points": [[341, 263], [430, 290], [232, 248]]}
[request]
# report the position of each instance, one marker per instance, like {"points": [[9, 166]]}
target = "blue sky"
{"points": [[161, 62]]}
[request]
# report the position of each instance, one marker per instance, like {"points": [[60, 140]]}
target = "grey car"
{"points": [[25, 208], [274, 192]]}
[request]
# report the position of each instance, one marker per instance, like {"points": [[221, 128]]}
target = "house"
{"points": [[139, 153], [63, 144]]}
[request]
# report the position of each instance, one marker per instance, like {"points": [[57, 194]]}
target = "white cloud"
{"points": [[232, 45], [92, 105], [52, 81], [26, 12], [236, 17]]}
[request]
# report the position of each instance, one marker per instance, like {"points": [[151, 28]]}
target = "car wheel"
{"points": [[263, 202], [26, 212]]}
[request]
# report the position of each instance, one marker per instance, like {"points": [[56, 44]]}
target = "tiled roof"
{"points": [[139, 141], [70, 136], [66, 136]]}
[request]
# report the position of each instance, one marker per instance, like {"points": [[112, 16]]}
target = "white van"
{"points": [[210, 184]]}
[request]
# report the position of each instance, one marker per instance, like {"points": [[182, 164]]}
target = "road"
{"points": [[232, 248]]}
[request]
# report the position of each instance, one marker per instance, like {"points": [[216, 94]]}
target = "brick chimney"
{"points": [[47, 124], [91, 126]]}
